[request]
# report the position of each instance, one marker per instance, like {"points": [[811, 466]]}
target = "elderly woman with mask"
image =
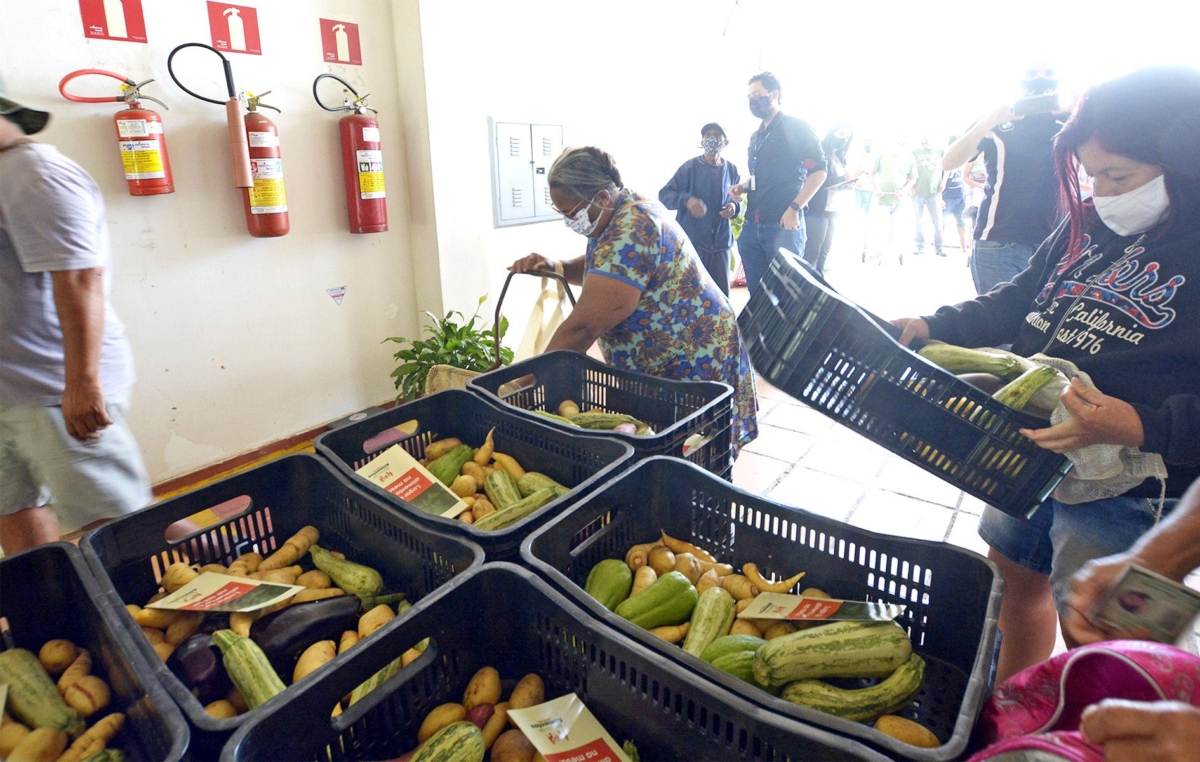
{"points": [[647, 298]]}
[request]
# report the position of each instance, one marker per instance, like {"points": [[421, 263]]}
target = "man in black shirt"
{"points": [[1020, 197], [786, 166]]}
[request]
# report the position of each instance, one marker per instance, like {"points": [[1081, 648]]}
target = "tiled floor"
{"points": [[805, 459]]}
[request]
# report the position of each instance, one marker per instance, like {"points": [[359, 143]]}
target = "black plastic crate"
{"points": [[580, 462], [952, 595], [49, 592], [129, 555], [825, 351], [674, 409], [501, 615]]}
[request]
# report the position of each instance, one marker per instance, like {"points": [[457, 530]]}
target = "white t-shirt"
{"points": [[51, 219]]}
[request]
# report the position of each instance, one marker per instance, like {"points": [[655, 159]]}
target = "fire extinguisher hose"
{"points": [[347, 85], [239, 148]]}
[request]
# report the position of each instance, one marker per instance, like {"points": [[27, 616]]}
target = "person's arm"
{"points": [[676, 192], [731, 208], [79, 301], [602, 305], [1135, 731], [968, 145], [966, 171], [572, 268]]}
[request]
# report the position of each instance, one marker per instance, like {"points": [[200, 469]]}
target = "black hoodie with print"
{"points": [[1115, 312]]}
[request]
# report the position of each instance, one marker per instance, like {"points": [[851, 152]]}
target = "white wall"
{"points": [[236, 340]]}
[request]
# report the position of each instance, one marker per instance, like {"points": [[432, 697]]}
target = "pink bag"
{"points": [[1039, 709]]}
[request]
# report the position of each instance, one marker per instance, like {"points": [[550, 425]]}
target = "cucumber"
{"points": [[711, 619], [839, 649], [457, 742], [532, 481], [447, 467], [33, 698], [501, 489], [862, 704], [505, 517]]}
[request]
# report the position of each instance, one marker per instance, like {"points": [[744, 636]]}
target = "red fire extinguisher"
{"points": [[254, 151], [140, 136], [362, 161]]}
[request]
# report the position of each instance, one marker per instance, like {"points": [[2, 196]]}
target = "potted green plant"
{"points": [[460, 343]]}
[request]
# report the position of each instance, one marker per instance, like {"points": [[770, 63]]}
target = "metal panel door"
{"points": [[514, 176], [547, 145]]}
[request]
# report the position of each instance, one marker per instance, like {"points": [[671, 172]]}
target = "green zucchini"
{"points": [[731, 644], [959, 360], [740, 664], [609, 582], [1017, 393], [457, 742], [669, 600], [447, 467], [862, 704], [711, 619], [248, 668], [33, 699], [603, 421], [355, 579], [839, 649], [532, 481], [501, 489], [556, 418], [388, 671], [505, 517]]}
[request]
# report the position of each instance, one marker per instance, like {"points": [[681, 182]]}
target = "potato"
{"points": [[495, 725], [11, 733], [133, 609], [529, 692], [163, 650], [214, 568], [661, 559], [513, 746], [687, 565], [184, 627], [87, 695], [39, 744], [57, 655], [484, 688], [777, 630], [440, 718], [221, 710], [153, 635], [177, 575], [475, 471], [315, 580], [464, 486], [409, 656], [374, 619], [238, 701], [439, 448]]}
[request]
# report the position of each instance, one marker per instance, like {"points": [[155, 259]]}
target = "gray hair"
{"points": [[585, 171]]}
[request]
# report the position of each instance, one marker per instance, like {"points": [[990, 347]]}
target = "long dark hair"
{"points": [[831, 137], [1152, 116]]}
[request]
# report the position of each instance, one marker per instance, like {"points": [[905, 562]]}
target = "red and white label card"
{"points": [[234, 28], [113, 20], [339, 42], [210, 592]]}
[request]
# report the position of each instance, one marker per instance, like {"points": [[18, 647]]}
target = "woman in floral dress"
{"points": [[646, 298]]}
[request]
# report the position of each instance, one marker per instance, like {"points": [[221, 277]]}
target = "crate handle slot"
{"points": [[596, 536], [208, 519]]}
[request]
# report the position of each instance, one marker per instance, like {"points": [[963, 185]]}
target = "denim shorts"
{"points": [[1061, 538]]}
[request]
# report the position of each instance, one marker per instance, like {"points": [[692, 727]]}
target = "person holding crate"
{"points": [[1112, 290], [646, 298]]}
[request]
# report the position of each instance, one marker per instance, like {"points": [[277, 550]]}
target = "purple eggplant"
{"points": [[197, 663], [285, 634]]}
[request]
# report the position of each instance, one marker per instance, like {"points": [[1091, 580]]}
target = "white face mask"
{"points": [[1136, 211], [579, 221]]}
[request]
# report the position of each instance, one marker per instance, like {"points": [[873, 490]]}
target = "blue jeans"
{"points": [[761, 241], [1061, 538], [934, 205], [995, 262]]}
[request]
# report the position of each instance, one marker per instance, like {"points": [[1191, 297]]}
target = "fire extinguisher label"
{"points": [[138, 128], [142, 160], [264, 140], [370, 174], [370, 134], [267, 196]]}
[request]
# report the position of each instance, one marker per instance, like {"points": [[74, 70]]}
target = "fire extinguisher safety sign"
{"points": [[267, 196], [370, 174], [234, 28], [339, 42], [113, 20]]}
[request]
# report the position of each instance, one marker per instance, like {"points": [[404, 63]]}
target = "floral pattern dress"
{"points": [[683, 327]]}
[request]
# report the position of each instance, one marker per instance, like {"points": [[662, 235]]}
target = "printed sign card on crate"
{"points": [[400, 474], [211, 592], [563, 730], [800, 608]]}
